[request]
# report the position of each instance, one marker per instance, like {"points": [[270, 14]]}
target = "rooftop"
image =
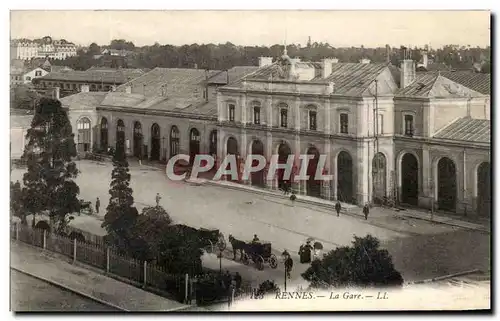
{"points": [[479, 82], [432, 84], [84, 100], [467, 129], [119, 76], [234, 74]]}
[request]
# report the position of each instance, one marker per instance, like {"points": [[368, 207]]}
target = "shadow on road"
{"points": [[426, 256]]}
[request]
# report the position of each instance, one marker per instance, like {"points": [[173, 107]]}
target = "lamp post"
{"points": [[285, 256], [221, 246]]}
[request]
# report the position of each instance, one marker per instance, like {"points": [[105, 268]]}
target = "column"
{"points": [[361, 167], [243, 109], [243, 153], [296, 114], [220, 111], [271, 183], [335, 176], [269, 111], [327, 184], [297, 186], [221, 149], [426, 190]]}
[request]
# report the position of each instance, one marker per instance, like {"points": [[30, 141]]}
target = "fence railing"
{"points": [[94, 252]]}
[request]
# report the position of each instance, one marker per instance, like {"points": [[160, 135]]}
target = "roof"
{"points": [[234, 74], [84, 100], [118, 76], [177, 82], [350, 79], [432, 84], [60, 68], [467, 129], [108, 69], [479, 82]]}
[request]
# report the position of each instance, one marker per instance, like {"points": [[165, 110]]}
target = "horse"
{"points": [[237, 245]]}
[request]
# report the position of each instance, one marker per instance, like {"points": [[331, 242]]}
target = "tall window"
{"points": [[344, 123], [231, 112], [284, 118], [312, 120], [408, 125], [256, 115], [380, 124], [38, 73]]}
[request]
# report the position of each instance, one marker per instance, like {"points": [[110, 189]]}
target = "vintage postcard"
{"points": [[250, 161]]}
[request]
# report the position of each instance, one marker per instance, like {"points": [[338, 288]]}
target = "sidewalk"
{"points": [[350, 209], [58, 271]]}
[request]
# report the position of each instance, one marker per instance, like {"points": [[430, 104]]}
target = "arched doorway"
{"points": [[174, 141], [484, 189], [313, 186], [379, 178], [120, 135], [257, 178], [212, 144], [84, 135], [344, 177], [409, 179], [283, 152], [447, 185], [138, 139], [194, 144], [155, 142], [232, 149], [104, 134]]}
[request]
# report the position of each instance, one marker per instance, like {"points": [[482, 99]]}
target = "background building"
{"points": [[46, 47]]}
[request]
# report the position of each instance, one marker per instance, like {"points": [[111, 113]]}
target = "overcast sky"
{"points": [[338, 28]]}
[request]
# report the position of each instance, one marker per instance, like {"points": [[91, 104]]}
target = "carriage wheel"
{"points": [[273, 261], [259, 261], [245, 259]]}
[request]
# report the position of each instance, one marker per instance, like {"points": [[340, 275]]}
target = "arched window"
{"points": [[84, 135], [104, 134]]}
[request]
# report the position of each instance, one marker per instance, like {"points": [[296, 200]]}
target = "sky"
{"points": [[338, 28]]}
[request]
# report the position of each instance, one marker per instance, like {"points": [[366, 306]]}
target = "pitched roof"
{"points": [[467, 129], [118, 76], [234, 74], [430, 84], [479, 82], [84, 100], [350, 79]]}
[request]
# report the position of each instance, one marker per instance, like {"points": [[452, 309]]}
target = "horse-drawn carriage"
{"points": [[260, 253], [210, 240]]}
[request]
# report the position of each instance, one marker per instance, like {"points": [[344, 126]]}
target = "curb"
{"points": [[330, 207], [65, 287], [444, 277]]}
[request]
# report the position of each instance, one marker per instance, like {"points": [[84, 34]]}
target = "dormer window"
{"points": [[256, 115], [231, 112], [409, 125], [284, 118], [312, 120]]}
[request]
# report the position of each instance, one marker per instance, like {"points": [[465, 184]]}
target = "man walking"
{"points": [[366, 210], [97, 205], [337, 208], [158, 198]]}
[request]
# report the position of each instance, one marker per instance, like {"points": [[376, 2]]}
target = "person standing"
{"points": [[366, 210], [158, 198], [97, 205], [338, 207], [288, 266]]}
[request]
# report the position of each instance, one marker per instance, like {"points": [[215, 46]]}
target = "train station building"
{"points": [[390, 134]]}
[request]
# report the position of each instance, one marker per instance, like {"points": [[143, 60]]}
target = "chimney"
{"points": [[85, 88], [408, 72], [265, 61], [334, 60], [425, 59], [57, 92], [128, 89], [364, 61], [327, 67]]}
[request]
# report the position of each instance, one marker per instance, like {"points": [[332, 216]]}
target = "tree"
{"points": [[94, 49], [363, 264], [121, 215], [16, 202], [48, 182]]}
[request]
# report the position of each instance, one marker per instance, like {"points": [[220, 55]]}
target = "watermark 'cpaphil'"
{"points": [[253, 164]]}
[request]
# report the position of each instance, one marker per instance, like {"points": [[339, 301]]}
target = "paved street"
{"points": [[420, 249], [29, 294]]}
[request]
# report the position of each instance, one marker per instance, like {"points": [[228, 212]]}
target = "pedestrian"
{"points": [[97, 205], [255, 239], [158, 198], [140, 159], [338, 207], [366, 210], [301, 253], [289, 266], [307, 251], [238, 280]]}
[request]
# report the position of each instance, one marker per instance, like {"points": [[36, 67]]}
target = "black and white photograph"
{"points": [[250, 161]]}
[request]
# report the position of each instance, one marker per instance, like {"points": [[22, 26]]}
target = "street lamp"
{"points": [[285, 256], [221, 246]]}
